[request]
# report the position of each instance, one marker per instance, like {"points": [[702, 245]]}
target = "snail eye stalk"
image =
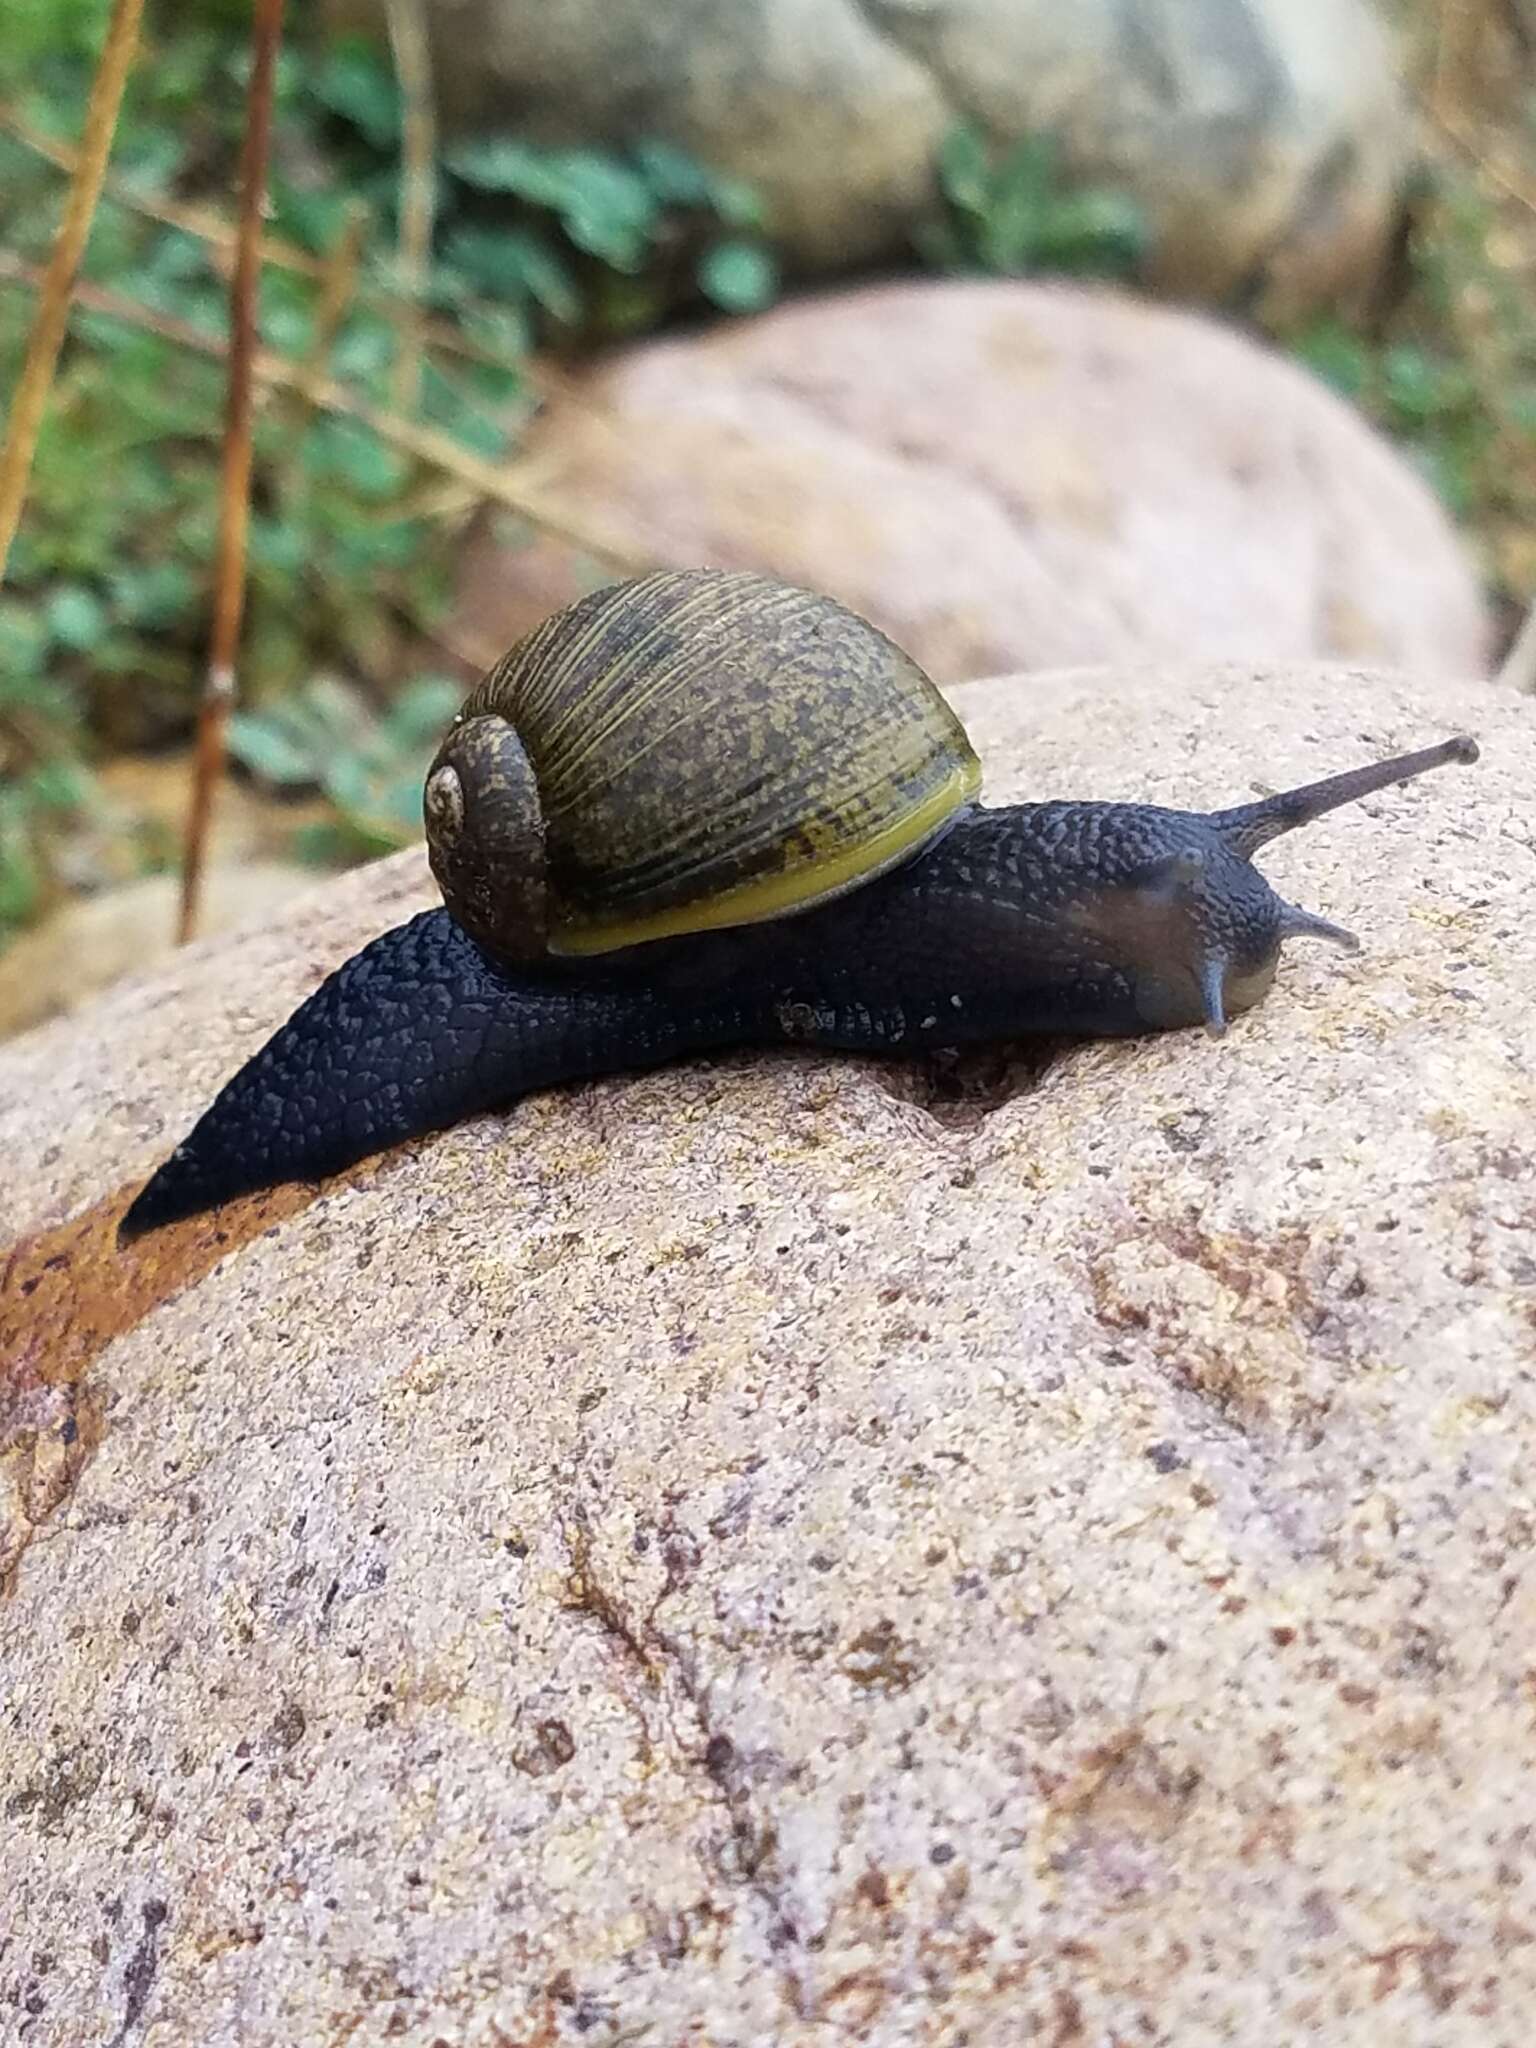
{"points": [[1247, 827]]}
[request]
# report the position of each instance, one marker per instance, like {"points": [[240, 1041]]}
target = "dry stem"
{"points": [[413, 69], [488, 480], [30, 400], [235, 490], [208, 226]]}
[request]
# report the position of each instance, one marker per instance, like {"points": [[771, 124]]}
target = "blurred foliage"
{"points": [[1449, 367], [1010, 212], [103, 622], [103, 619], [327, 736]]}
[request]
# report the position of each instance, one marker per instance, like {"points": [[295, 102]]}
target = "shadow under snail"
{"points": [[702, 810]]}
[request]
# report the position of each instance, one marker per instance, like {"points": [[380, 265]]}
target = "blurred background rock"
{"points": [[1264, 139], [854, 290]]}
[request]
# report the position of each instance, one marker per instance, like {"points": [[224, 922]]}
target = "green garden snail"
{"points": [[702, 809]]}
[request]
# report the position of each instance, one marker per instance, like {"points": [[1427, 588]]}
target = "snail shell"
{"points": [[683, 751]]}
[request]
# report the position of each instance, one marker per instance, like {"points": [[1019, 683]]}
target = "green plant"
{"points": [[647, 218], [371, 765], [106, 610], [1450, 370], [1010, 212], [42, 783]]}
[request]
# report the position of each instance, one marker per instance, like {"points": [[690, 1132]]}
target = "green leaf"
{"points": [[326, 843], [345, 779], [76, 617], [1419, 386], [739, 276], [1334, 354], [23, 641], [500, 330], [737, 203], [1012, 220], [678, 179], [674, 176], [355, 82], [604, 206], [422, 711], [1092, 234], [20, 884], [346, 449], [59, 784], [279, 546], [309, 215], [270, 750], [964, 167], [365, 348], [505, 166], [512, 262]]}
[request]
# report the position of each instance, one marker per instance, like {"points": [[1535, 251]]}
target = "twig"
{"points": [[1513, 184], [1518, 671], [500, 486], [235, 490], [30, 400], [206, 225], [413, 69], [1450, 42]]}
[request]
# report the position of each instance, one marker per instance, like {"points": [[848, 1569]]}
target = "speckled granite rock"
{"points": [[1006, 475], [780, 1552]]}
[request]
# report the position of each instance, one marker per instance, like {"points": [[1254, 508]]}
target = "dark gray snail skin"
{"points": [[1097, 919]]}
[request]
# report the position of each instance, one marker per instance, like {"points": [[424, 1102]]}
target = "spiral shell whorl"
{"points": [[705, 748], [485, 836]]}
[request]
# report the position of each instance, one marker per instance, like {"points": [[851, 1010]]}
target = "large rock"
{"points": [[779, 1551], [1005, 475], [1266, 139], [90, 941]]}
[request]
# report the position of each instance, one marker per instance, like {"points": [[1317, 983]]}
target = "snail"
{"points": [[704, 809]]}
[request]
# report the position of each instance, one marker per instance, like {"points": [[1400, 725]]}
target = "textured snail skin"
{"points": [[1088, 918], [1016, 922]]}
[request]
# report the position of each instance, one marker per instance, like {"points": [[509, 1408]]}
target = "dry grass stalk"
{"points": [[235, 490], [208, 226], [413, 69], [491, 482], [29, 402]]}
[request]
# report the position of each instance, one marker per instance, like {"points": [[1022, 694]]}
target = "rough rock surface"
{"points": [[1266, 139], [783, 1551], [1006, 475]]}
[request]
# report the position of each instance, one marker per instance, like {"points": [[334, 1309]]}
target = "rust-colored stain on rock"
{"points": [[65, 1294]]}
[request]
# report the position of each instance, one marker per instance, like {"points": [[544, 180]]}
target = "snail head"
{"points": [[1198, 927]]}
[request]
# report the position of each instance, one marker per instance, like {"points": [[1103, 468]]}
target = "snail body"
{"points": [[647, 853]]}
